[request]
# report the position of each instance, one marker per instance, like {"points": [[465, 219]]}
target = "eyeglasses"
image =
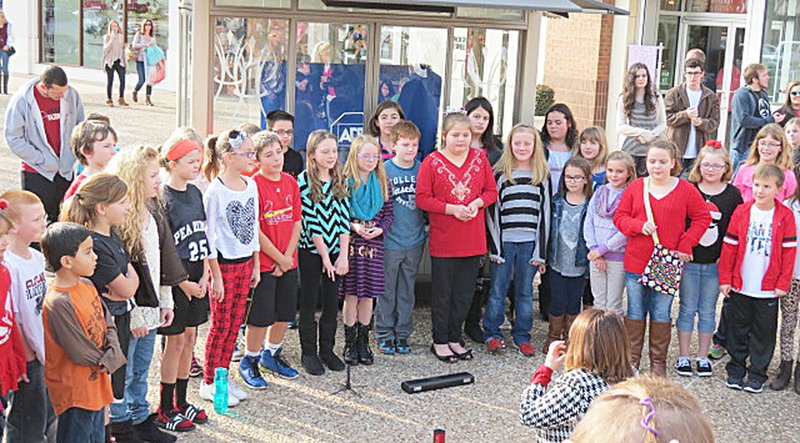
{"points": [[283, 133], [693, 74], [369, 156], [764, 144], [249, 154], [712, 166], [795, 93], [574, 178]]}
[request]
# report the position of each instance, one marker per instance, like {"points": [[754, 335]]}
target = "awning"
{"points": [[554, 6]]}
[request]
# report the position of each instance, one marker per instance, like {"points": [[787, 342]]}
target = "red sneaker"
{"points": [[173, 421], [193, 413], [527, 349], [495, 345]]}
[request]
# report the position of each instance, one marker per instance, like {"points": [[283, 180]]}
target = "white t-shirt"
{"points": [[691, 144], [556, 161], [756, 256], [232, 220], [28, 287]]}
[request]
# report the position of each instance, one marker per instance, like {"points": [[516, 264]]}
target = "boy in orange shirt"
{"points": [[81, 345]]}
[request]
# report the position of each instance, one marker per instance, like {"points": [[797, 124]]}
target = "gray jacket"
{"points": [[25, 134]]}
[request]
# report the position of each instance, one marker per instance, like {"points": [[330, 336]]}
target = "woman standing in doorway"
{"points": [[114, 61], [143, 39], [641, 116]]}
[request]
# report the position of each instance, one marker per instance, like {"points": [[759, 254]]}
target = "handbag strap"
{"points": [[649, 211]]}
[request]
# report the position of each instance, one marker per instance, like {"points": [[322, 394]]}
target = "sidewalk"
{"points": [[136, 124]]}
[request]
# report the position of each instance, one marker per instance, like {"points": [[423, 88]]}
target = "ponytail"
{"points": [[210, 158]]}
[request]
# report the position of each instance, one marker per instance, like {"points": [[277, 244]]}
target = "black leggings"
{"points": [[315, 284], [452, 290], [120, 70]]}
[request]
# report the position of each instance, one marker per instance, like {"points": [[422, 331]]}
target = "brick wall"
{"points": [[577, 59]]}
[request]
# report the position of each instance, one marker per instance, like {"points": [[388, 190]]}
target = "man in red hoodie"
{"points": [[755, 269]]}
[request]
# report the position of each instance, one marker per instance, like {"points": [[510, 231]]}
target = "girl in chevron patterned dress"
{"points": [[323, 250], [370, 216]]}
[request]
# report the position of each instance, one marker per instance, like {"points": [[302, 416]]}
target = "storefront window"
{"points": [[412, 65], [719, 6], [249, 70], [61, 22], [668, 39], [155, 10], [485, 64], [96, 16], [329, 84], [256, 3], [781, 50], [491, 13]]}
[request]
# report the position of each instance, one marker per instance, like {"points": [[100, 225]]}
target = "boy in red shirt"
{"points": [[81, 345], [755, 269], [274, 300]]}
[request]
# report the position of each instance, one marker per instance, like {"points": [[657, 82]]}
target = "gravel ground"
{"points": [[303, 410]]}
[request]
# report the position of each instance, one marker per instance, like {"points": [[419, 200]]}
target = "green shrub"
{"points": [[545, 97]]}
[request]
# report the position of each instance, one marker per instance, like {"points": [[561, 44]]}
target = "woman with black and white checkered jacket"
{"points": [[554, 412]]}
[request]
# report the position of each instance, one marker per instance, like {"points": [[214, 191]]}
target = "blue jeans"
{"points": [[567, 293], [140, 71], [517, 265], [135, 407], [30, 412], [698, 296], [4, 62], [643, 300], [76, 425]]}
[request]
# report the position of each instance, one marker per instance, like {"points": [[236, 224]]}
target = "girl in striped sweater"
{"points": [[324, 248], [370, 216], [518, 227]]}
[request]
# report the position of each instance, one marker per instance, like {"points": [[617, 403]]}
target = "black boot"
{"points": [[350, 348], [5, 84], [148, 431], [365, 356], [780, 382], [797, 379], [124, 432]]}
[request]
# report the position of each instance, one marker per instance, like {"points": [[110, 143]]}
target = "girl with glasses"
{"points": [[769, 147], [700, 282], [791, 108], [370, 216]]}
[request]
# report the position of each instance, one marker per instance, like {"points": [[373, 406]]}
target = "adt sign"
{"points": [[347, 128]]}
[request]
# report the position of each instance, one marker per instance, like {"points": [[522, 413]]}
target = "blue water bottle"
{"points": [[221, 390]]}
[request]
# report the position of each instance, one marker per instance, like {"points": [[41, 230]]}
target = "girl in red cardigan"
{"points": [[672, 200], [454, 185], [12, 356]]}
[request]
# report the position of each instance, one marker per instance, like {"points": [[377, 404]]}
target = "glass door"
{"points": [[723, 45]]}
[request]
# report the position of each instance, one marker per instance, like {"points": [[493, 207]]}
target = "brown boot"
{"points": [[147, 101], [635, 329], [135, 95], [660, 336], [568, 325], [555, 328], [110, 102], [121, 101]]}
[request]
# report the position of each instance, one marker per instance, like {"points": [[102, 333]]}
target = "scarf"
{"points": [[606, 208], [367, 199]]}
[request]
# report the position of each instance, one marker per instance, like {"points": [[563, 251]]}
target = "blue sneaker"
{"points": [[402, 346], [386, 347], [276, 365], [251, 376]]}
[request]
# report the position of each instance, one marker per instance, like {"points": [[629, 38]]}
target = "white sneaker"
{"points": [[235, 391], [207, 393]]}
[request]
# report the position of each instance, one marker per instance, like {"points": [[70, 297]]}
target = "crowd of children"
{"points": [[241, 232]]}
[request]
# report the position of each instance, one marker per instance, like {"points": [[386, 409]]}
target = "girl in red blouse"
{"points": [[454, 184], [12, 356], [672, 200]]}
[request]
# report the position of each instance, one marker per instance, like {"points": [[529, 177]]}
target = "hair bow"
{"points": [[237, 139], [3, 204], [450, 110], [716, 144]]}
